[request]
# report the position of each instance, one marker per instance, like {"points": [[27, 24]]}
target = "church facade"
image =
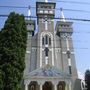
{"points": [[50, 60]]}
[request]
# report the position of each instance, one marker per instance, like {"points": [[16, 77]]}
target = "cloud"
{"points": [[80, 75]]}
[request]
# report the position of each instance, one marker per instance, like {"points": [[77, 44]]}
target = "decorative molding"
{"points": [[58, 50], [69, 61], [28, 52], [26, 82], [34, 49], [46, 45], [66, 52], [65, 35], [46, 60], [41, 82], [55, 82]]}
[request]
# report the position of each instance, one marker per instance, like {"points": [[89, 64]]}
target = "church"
{"points": [[50, 60]]}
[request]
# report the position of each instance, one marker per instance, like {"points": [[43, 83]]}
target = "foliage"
{"points": [[87, 79], [12, 52]]}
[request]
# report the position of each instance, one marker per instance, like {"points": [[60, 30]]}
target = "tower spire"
{"points": [[29, 12], [62, 18]]}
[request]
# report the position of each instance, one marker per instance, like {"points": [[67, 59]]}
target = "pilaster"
{"points": [[26, 83], [40, 83], [55, 83]]}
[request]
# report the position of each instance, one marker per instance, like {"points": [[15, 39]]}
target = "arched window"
{"points": [[46, 40]]}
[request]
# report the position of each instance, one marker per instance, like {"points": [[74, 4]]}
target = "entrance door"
{"points": [[61, 86], [32, 86], [47, 86]]}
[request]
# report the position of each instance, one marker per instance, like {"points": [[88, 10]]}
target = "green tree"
{"points": [[1, 72], [87, 79], [12, 52], [1, 78]]}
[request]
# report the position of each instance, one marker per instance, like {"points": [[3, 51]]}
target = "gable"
{"points": [[48, 71]]}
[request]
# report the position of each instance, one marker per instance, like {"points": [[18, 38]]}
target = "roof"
{"points": [[49, 71]]}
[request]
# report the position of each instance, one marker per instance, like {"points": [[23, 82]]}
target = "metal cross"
{"points": [[46, 23]]}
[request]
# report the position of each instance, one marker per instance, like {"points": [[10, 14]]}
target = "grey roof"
{"points": [[49, 71]]}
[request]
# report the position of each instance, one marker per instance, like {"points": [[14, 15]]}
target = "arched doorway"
{"points": [[33, 86], [47, 86], [61, 85]]}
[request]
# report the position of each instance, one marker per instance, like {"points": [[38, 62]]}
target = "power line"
{"points": [[74, 10], [72, 19], [13, 7], [72, 2]]}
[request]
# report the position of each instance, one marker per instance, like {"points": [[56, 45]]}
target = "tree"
{"points": [[87, 79], [1, 78], [1, 72], [12, 52]]}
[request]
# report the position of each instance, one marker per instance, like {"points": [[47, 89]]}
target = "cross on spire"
{"points": [[46, 23]]}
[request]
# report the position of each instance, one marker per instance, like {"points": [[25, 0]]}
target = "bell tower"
{"points": [[64, 31], [45, 12]]}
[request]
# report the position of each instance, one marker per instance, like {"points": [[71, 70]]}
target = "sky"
{"points": [[81, 30]]}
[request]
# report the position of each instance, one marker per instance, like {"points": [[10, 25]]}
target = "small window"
{"points": [[45, 11], [70, 71], [41, 11], [49, 41], [43, 41], [51, 12], [46, 37]]}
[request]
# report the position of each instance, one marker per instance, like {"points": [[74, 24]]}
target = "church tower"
{"points": [[45, 13], [64, 31], [50, 61]]}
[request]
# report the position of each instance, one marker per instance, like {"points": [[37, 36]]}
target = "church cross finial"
{"points": [[29, 12], [62, 18]]}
